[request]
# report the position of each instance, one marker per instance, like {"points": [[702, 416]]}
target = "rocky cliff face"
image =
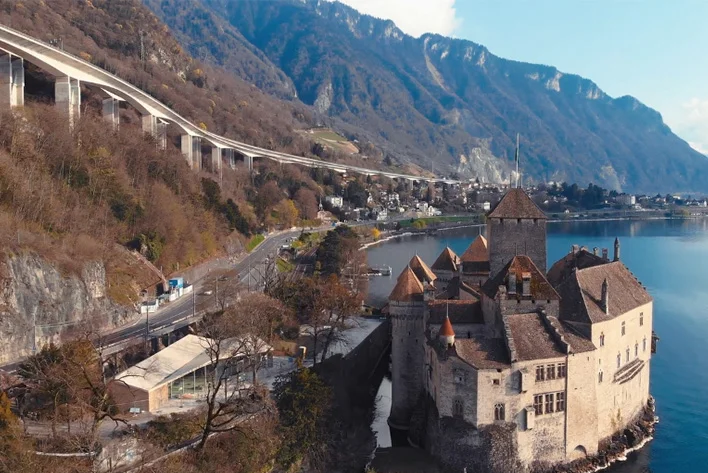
{"points": [[452, 101], [33, 291]]}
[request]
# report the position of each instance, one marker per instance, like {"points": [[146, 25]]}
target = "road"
{"points": [[176, 311], [198, 301]]}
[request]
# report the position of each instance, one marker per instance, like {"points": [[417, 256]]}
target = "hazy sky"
{"points": [[654, 50]]}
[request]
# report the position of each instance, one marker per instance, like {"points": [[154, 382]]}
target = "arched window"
{"points": [[627, 359], [602, 339], [644, 344], [636, 350], [499, 412], [624, 329], [599, 377], [458, 408], [619, 360], [641, 319]]}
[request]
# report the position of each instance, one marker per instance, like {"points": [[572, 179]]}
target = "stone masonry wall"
{"points": [[510, 237]]}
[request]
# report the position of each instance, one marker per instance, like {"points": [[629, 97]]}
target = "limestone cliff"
{"points": [[33, 291]]}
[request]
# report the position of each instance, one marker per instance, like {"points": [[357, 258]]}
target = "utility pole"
{"points": [[147, 329], [194, 302]]}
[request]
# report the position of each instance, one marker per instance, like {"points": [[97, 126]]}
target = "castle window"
{"points": [[599, 377], [636, 350], [540, 373], [644, 344], [458, 408], [551, 372], [641, 319], [619, 360], [499, 412], [602, 339], [518, 220], [549, 403], [459, 376], [560, 402], [627, 360], [538, 404], [624, 329], [496, 382], [561, 370]]}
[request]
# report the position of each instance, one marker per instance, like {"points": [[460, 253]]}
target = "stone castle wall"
{"points": [[510, 237], [407, 356]]}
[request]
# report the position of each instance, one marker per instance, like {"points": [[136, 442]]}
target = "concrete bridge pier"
{"points": [[230, 157], [249, 162], [192, 151], [67, 97], [12, 81], [111, 111], [157, 128], [216, 159]]}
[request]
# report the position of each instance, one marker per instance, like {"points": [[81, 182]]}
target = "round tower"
{"points": [[447, 334], [406, 310]]}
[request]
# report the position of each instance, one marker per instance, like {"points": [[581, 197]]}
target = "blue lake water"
{"points": [[670, 257]]}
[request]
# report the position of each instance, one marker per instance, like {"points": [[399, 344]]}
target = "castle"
{"points": [[495, 359]]}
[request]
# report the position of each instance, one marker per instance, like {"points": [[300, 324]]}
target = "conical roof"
{"points": [[408, 287], [516, 204], [446, 328], [447, 261], [477, 252], [421, 270]]}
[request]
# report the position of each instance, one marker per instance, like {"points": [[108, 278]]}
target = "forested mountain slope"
{"points": [[447, 100]]}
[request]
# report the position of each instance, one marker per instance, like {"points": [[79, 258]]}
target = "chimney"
{"points": [[575, 249], [605, 297], [617, 249], [512, 284], [604, 254], [526, 284], [596, 251]]}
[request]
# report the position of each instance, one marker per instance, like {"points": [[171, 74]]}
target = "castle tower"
{"points": [[446, 267], [447, 334], [475, 262], [406, 309], [516, 226]]}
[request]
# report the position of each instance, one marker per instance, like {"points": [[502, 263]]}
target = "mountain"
{"points": [[438, 99]]}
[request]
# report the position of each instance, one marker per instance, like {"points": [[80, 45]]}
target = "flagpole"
{"points": [[517, 160]]}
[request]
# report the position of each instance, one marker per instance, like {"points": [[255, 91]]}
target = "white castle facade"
{"points": [[500, 365]]}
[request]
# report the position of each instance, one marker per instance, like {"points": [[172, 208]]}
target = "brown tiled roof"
{"points": [[532, 339], [516, 204], [460, 312], [541, 289], [446, 328], [581, 293], [447, 261], [563, 268], [578, 343], [483, 353], [477, 252], [421, 270], [408, 287]]}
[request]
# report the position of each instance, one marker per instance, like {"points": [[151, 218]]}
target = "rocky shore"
{"points": [[617, 448]]}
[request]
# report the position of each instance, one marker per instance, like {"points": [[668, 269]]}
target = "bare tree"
{"points": [[223, 410], [339, 307]]}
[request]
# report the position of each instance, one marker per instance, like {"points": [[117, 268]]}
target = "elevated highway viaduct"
{"points": [[71, 72]]}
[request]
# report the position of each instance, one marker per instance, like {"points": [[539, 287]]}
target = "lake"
{"points": [[670, 257]]}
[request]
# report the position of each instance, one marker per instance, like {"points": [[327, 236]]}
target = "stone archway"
{"points": [[578, 452]]}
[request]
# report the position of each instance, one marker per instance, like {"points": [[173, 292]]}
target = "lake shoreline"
{"points": [[436, 229]]}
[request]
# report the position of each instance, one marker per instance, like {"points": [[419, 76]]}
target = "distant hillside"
{"points": [[440, 99]]}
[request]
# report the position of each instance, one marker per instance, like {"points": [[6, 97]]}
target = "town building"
{"points": [[492, 353]]}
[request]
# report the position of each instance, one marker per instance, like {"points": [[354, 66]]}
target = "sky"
{"points": [[654, 50]]}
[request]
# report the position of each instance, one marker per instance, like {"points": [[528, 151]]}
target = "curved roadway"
{"points": [[60, 63]]}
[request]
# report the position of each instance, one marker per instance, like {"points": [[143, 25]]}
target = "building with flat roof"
{"points": [[179, 371]]}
